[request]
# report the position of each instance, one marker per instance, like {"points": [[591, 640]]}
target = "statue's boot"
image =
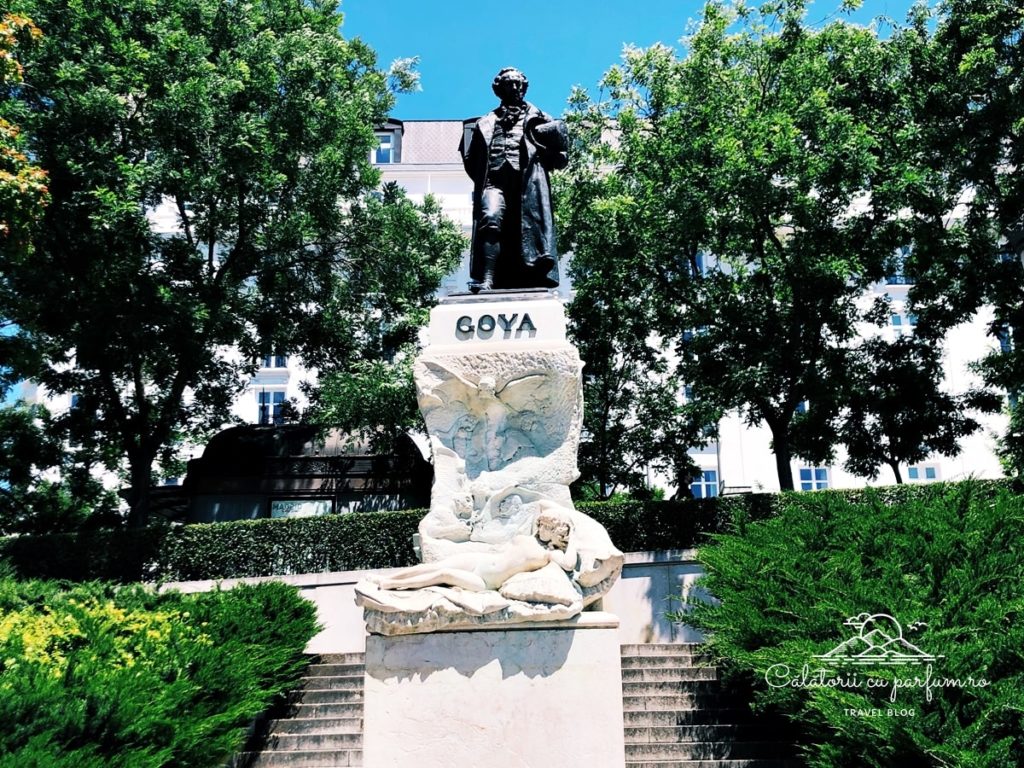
{"points": [[490, 256], [542, 265]]}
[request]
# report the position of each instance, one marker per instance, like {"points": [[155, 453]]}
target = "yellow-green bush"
{"points": [[121, 677]]}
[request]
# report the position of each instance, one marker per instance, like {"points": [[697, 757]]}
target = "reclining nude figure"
{"points": [[481, 571]]}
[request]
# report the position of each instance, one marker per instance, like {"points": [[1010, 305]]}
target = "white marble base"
{"points": [[517, 698], [495, 322]]}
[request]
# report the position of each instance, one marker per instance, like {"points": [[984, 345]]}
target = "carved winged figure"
{"points": [[490, 402]]}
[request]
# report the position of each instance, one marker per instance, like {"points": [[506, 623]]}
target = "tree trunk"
{"points": [[141, 473], [896, 471], [783, 459]]}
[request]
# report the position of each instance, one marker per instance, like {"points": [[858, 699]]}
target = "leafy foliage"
{"points": [[895, 410], [372, 392], [963, 120], [102, 676], [209, 168], [23, 191], [946, 555], [30, 502], [749, 192], [634, 417]]}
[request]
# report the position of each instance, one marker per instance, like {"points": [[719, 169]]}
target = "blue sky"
{"points": [[557, 43]]}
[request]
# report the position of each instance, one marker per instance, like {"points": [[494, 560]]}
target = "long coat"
{"points": [[543, 148]]}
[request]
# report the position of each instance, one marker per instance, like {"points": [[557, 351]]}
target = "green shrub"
{"points": [[100, 676], [119, 555], [296, 545], [365, 540], [947, 555]]}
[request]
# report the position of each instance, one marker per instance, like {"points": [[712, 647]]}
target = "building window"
{"points": [[705, 486], [898, 275], [923, 473], [275, 361], [385, 152], [903, 323], [1003, 334], [813, 478], [271, 407]]}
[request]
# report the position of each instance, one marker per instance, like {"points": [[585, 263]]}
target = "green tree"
{"points": [[965, 215], [372, 392], [209, 168], [896, 411], [635, 415], [33, 449], [770, 146]]}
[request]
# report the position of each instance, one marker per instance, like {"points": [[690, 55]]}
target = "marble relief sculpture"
{"points": [[502, 542]]}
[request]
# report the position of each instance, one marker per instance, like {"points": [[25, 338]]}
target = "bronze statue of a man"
{"points": [[508, 155]]}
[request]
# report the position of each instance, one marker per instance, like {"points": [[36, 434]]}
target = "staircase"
{"points": [[321, 726], [678, 716]]}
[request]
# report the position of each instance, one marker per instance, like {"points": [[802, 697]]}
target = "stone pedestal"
{"points": [[542, 694]]}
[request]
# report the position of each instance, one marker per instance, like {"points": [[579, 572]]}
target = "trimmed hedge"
{"points": [[373, 539], [289, 545], [219, 550]]}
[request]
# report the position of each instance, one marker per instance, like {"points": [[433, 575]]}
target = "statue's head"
{"points": [[510, 85], [510, 505], [553, 524]]}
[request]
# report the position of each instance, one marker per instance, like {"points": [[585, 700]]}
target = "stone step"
{"points": [[710, 750], [333, 758], [709, 716], [702, 687], [334, 682], [668, 674], [316, 725], [312, 742], [327, 696], [685, 662], [757, 763], [666, 734], [679, 701], [334, 670], [664, 649], [338, 658], [326, 710]]}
